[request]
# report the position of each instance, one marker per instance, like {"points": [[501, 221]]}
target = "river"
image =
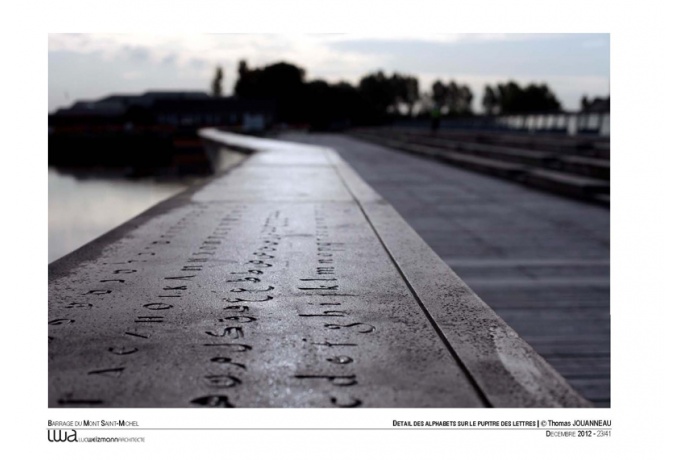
{"points": [[83, 207]]}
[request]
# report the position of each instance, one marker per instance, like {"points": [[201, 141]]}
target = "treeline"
{"points": [[377, 98], [512, 98]]}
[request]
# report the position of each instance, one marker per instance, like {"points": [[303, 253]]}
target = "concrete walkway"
{"points": [[541, 261], [284, 282]]}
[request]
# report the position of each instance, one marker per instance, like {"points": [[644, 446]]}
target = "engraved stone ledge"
{"points": [[286, 282]]}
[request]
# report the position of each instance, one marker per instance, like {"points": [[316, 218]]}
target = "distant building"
{"points": [[165, 109], [597, 104], [147, 133]]}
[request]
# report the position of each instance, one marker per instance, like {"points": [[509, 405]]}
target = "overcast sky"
{"points": [[90, 66]]}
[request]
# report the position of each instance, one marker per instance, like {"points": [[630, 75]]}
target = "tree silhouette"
{"points": [[378, 91], [439, 93], [378, 97], [334, 106], [459, 100], [490, 101], [217, 83], [456, 100], [281, 82], [404, 93], [511, 98]]}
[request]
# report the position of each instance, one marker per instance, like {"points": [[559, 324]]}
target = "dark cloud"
{"points": [[198, 63], [169, 60], [135, 53]]}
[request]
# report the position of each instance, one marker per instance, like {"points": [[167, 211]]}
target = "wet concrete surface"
{"points": [[539, 260], [285, 282]]}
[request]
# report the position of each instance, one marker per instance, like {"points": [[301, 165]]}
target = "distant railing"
{"points": [[570, 123]]}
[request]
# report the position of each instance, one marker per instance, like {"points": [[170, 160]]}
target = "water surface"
{"points": [[86, 205]]}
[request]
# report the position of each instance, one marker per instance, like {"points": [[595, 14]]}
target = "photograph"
{"points": [[330, 220]]}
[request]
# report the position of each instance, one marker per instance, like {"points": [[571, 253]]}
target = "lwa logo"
{"points": [[61, 436]]}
